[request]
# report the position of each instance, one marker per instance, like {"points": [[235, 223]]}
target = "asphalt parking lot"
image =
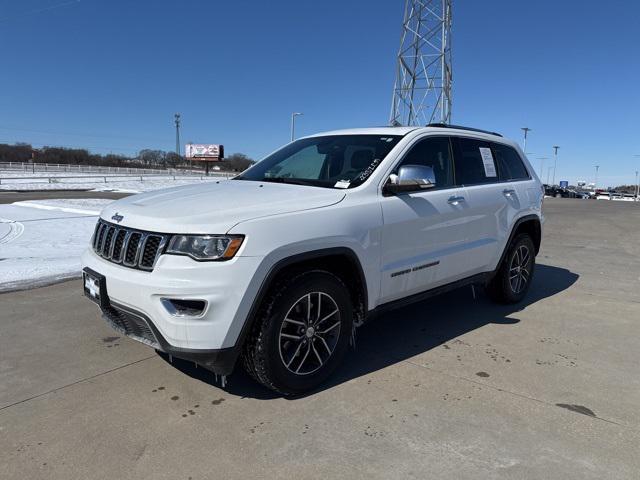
{"points": [[449, 388]]}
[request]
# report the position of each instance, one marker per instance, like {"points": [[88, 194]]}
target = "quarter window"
{"points": [[435, 153], [509, 163]]}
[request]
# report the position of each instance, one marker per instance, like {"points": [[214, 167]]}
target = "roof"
{"points": [[452, 129], [369, 131]]}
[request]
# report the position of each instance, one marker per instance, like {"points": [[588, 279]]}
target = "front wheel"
{"points": [[302, 333], [514, 276]]}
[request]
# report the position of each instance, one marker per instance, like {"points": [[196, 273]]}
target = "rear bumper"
{"points": [[138, 326]]}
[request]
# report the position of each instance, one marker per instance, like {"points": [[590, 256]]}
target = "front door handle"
{"points": [[455, 200], [508, 192]]}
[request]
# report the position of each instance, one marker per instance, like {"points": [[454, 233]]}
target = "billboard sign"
{"points": [[204, 151], [564, 184]]}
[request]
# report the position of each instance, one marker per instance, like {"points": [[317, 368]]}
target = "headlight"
{"points": [[205, 247]]}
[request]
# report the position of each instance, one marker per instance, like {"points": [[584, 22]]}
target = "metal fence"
{"points": [[61, 167], [70, 179]]}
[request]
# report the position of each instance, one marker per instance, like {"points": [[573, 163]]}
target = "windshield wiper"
{"points": [[293, 181]]}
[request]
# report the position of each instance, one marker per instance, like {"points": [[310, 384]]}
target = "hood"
{"points": [[215, 207]]}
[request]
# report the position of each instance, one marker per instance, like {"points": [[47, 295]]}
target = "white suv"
{"points": [[278, 265]]}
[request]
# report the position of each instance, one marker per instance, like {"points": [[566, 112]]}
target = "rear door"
{"points": [[423, 235], [493, 176]]}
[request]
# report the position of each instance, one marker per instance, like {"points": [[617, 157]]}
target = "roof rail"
{"points": [[458, 127]]}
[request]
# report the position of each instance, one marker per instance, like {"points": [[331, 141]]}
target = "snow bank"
{"points": [[41, 241], [114, 183]]}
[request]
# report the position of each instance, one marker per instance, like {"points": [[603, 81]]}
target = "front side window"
{"points": [[434, 153], [474, 161], [333, 161], [510, 164]]}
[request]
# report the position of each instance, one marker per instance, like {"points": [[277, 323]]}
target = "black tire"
{"points": [[511, 284], [291, 309]]}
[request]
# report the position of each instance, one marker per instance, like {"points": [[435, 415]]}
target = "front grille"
{"points": [[128, 247], [130, 325]]}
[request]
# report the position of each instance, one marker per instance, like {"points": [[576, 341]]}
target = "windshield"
{"points": [[334, 161]]}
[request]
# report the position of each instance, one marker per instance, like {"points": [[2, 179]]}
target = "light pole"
{"points": [[542, 159], [293, 124], [177, 121], [525, 130], [595, 184], [555, 149]]}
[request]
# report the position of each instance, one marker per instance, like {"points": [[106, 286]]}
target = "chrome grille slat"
{"points": [[113, 242], [131, 253], [127, 246], [106, 242], [141, 242], [118, 244], [99, 237]]}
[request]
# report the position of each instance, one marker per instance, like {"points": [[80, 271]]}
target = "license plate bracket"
{"points": [[94, 286]]}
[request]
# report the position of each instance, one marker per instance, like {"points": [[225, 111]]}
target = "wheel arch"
{"points": [[341, 261], [529, 224]]}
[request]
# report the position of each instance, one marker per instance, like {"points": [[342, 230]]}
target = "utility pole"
{"points": [[595, 184], [293, 124], [555, 148], [422, 89], [526, 130], [177, 120]]}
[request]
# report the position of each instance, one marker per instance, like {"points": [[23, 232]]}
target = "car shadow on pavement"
{"points": [[403, 333]]}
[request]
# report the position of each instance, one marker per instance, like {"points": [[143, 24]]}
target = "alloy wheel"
{"points": [[520, 269], [309, 333]]}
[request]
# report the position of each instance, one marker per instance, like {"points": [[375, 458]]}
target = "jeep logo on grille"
{"points": [[118, 218]]}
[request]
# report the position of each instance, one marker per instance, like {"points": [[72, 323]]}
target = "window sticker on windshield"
{"points": [[342, 184], [487, 160]]}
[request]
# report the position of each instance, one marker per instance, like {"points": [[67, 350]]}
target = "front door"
{"points": [[424, 232]]}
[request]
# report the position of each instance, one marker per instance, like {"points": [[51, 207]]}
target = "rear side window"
{"points": [[435, 153], [474, 162], [510, 166]]}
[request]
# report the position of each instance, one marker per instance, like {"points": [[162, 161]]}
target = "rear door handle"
{"points": [[508, 192], [455, 200]]}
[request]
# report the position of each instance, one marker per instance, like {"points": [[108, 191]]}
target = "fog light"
{"points": [[184, 308]]}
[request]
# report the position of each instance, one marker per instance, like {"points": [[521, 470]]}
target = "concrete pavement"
{"points": [[17, 196], [452, 387]]}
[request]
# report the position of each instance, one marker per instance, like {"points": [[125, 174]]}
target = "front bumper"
{"points": [[135, 309], [136, 325]]}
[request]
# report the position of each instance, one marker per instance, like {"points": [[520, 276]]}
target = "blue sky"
{"points": [[110, 74]]}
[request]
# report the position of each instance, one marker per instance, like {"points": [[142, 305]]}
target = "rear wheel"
{"points": [[302, 333], [514, 276]]}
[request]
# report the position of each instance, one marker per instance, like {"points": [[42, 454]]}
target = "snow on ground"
{"points": [[82, 206], [41, 241], [120, 183], [147, 185]]}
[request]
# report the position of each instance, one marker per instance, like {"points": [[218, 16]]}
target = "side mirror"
{"points": [[411, 178]]}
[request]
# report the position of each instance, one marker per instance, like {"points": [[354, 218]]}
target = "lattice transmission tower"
{"points": [[422, 90]]}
